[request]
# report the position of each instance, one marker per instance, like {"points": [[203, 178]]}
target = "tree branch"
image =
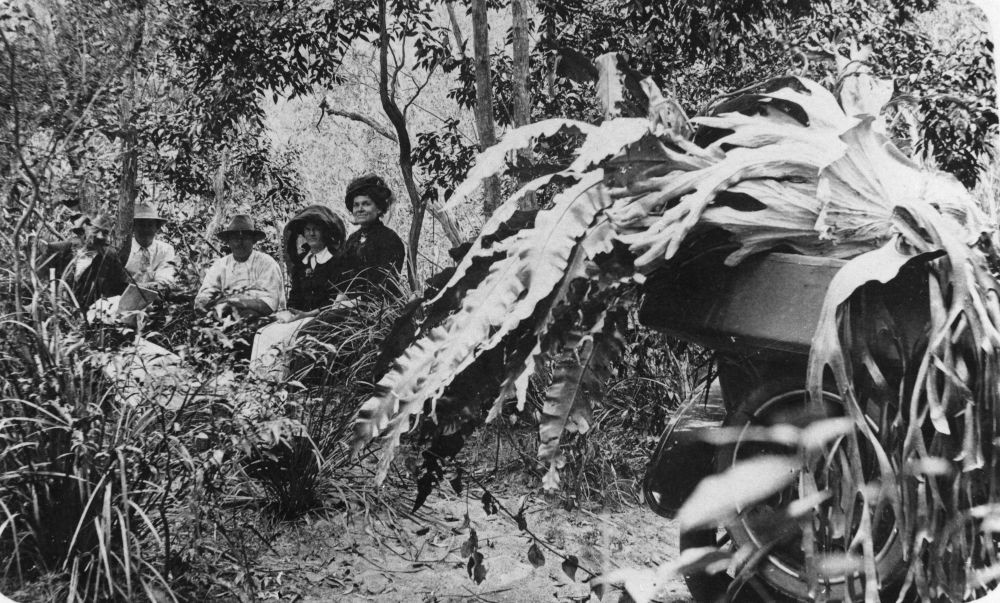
{"points": [[364, 84], [400, 63], [456, 30], [416, 93], [368, 121]]}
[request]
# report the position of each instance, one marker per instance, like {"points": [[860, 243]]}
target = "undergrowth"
{"points": [[604, 466], [131, 472]]}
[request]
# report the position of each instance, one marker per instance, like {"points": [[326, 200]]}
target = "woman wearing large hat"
{"points": [[373, 254], [246, 281], [151, 262], [313, 250], [316, 267]]}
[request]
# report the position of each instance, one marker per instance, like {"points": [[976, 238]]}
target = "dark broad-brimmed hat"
{"points": [[100, 222], [320, 215], [371, 185], [239, 224], [148, 212]]}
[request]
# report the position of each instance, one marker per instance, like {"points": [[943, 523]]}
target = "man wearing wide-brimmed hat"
{"points": [[246, 281], [151, 262], [95, 271]]}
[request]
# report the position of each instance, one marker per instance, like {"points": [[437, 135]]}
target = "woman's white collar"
{"points": [[322, 257]]}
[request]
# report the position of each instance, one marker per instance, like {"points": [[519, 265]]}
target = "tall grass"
{"points": [[655, 376], [103, 486], [77, 475]]}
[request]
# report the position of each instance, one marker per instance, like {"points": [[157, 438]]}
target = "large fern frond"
{"points": [[581, 372], [784, 166], [534, 265]]}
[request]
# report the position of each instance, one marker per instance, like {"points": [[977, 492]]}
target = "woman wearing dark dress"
{"points": [[374, 254], [313, 251], [95, 270], [316, 269]]}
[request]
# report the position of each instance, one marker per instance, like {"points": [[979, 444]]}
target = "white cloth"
{"points": [[82, 260], [154, 265], [258, 277], [149, 374], [267, 357], [313, 259]]}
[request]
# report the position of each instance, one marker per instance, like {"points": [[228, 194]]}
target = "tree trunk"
{"points": [[484, 96], [127, 191], [519, 74], [519, 79], [130, 144], [220, 206], [405, 161], [456, 30]]}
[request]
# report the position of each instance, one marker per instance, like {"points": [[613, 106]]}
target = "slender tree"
{"points": [[129, 136], [520, 72], [521, 63], [398, 120], [484, 95]]}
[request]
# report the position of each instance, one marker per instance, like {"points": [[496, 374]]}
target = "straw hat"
{"points": [[241, 223], [148, 212]]}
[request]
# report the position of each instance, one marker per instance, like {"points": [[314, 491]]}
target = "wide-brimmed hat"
{"points": [[320, 215], [241, 223], [148, 212], [100, 222], [371, 185]]}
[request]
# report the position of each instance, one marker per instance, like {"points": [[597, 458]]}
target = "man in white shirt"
{"points": [[246, 281], [151, 263]]}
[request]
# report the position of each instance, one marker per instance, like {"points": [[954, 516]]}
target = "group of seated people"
{"points": [[324, 265]]}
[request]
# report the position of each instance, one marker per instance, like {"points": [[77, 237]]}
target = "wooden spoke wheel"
{"points": [[845, 465]]}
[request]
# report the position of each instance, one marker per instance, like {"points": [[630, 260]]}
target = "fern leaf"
{"points": [[666, 112], [790, 212], [608, 140], [534, 265], [609, 84], [519, 370], [579, 377], [493, 160], [861, 94], [516, 383], [500, 215], [863, 186], [663, 234]]}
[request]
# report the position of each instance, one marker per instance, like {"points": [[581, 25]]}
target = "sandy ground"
{"points": [[387, 557]]}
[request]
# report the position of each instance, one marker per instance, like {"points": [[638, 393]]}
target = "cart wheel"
{"points": [[711, 588], [782, 400]]}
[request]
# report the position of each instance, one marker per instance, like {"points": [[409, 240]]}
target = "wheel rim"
{"points": [[841, 512]]}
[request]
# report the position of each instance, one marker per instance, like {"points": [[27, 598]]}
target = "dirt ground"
{"points": [[390, 557]]}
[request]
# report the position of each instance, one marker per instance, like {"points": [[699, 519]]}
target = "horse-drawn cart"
{"points": [[760, 318]]}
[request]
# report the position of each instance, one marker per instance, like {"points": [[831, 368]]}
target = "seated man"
{"points": [[151, 263], [246, 281], [94, 272]]}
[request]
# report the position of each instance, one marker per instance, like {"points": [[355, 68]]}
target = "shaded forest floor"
{"points": [[387, 556]]}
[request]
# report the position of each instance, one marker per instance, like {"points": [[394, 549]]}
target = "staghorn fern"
{"points": [[825, 182]]}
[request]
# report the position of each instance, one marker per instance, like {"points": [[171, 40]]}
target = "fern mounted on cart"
{"points": [[785, 165]]}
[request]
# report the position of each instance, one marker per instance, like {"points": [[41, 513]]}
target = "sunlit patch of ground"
{"points": [[388, 557]]}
